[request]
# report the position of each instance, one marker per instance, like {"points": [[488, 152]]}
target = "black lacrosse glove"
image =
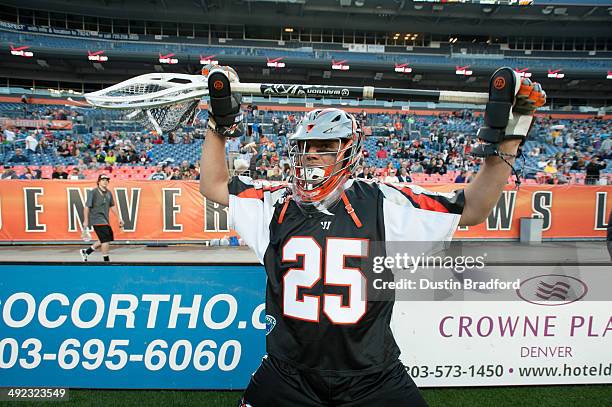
{"points": [[509, 112], [224, 114]]}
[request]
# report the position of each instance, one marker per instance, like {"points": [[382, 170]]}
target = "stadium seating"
{"points": [[275, 125]]}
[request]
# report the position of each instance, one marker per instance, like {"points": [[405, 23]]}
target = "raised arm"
{"points": [[213, 170], [224, 120], [482, 194]]}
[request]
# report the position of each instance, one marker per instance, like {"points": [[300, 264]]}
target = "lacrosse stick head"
{"points": [[162, 101]]}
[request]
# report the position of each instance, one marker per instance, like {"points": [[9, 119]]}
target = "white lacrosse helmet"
{"points": [[320, 186]]}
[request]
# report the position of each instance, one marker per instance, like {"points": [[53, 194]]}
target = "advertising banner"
{"points": [[175, 210], [203, 327], [119, 326]]}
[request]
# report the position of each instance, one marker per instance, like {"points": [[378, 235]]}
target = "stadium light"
{"points": [[463, 70], [275, 63], [208, 60], [97, 56], [22, 51], [167, 59], [340, 65], [523, 72], [555, 74], [402, 68]]}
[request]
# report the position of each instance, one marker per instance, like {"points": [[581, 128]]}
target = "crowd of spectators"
{"points": [[397, 146]]}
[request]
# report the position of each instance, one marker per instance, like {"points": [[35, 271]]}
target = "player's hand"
{"points": [[227, 71], [224, 114], [528, 97]]}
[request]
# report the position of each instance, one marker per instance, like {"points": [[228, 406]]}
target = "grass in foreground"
{"points": [[537, 396]]}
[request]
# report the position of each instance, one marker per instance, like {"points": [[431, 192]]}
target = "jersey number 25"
{"points": [[334, 273]]}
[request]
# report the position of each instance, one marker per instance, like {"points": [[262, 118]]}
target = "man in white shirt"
{"points": [[31, 144], [9, 135]]}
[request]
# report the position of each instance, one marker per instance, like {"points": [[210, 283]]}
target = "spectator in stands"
{"points": [[75, 174], [286, 172], [562, 178], [363, 173], [18, 157], [63, 149], [195, 171], [184, 165], [404, 175], [176, 174], [59, 173], [87, 159], [232, 145], [186, 173], [157, 138], [275, 174], [31, 144], [391, 176], [167, 170], [461, 178], [593, 169], [30, 174], [606, 147], [9, 136], [187, 138], [263, 164], [145, 158], [81, 165], [381, 154], [550, 168], [121, 158], [417, 167], [8, 173], [247, 151], [439, 168], [110, 158], [131, 155], [172, 138], [578, 165], [158, 175]]}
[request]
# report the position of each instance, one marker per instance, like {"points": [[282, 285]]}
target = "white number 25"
{"points": [[335, 273]]}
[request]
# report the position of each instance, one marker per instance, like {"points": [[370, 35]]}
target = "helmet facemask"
{"points": [[315, 184]]}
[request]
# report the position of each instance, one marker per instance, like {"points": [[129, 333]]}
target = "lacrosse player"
{"points": [[326, 343]]}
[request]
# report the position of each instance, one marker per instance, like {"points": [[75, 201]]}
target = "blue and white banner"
{"points": [[203, 327], [119, 326]]}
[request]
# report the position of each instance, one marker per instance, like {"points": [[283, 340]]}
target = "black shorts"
{"points": [[104, 233], [276, 383]]}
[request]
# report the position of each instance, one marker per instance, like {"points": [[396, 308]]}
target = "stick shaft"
{"points": [[359, 92]]}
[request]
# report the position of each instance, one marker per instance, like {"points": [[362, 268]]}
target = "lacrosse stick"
{"points": [[168, 100]]}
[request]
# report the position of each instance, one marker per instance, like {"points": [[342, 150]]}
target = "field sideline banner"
{"points": [[175, 210], [203, 327]]}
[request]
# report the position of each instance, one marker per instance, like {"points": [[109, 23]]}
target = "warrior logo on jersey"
{"points": [[270, 323], [244, 403]]}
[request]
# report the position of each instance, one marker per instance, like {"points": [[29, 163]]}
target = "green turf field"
{"points": [[540, 396]]}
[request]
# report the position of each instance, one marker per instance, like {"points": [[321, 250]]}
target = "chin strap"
{"points": [[281, 217], [350, 210], [347, 205]]}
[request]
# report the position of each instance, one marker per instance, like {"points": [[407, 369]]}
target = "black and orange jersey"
{"points": [[319, 309]]}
